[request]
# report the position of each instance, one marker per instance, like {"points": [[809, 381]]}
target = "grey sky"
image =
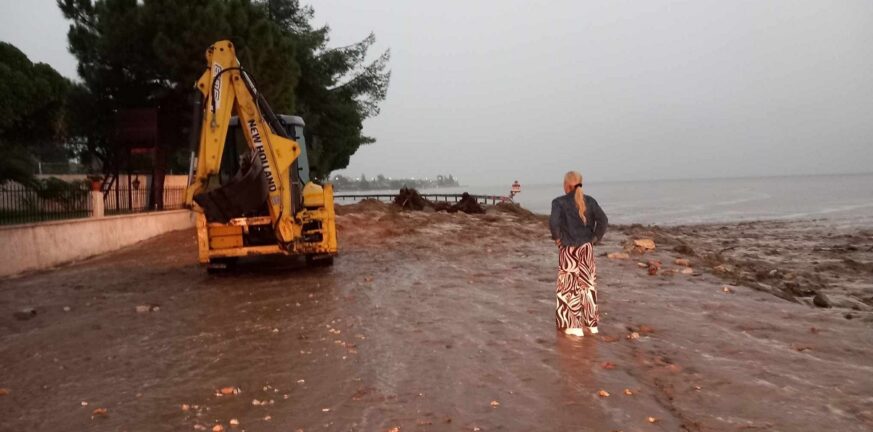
{"points": [[617, 89]]}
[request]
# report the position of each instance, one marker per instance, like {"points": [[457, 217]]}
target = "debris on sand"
{"points": [[653, 267], [821, 300], [363, 206], [467, 204], [684, 249], [227, 391], [25, 314], [410, 199], [639, 246], [147, 308], [644, 329], [618, 255], [512, 208]]}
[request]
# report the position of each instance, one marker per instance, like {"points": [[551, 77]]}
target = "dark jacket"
{"points": [[567, 226]]}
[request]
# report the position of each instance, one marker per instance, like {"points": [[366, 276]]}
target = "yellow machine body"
{"points": [[295, 225]]}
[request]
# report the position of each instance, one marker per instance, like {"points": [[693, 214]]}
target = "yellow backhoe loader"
{"points": [[250, 186]]}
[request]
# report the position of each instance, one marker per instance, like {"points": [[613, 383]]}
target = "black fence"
{"points": [[20, 204]]}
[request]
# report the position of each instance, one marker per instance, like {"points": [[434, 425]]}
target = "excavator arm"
{"points": [[227, 90]]}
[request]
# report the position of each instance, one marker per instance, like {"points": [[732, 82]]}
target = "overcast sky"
{"points": [[620, 90]]}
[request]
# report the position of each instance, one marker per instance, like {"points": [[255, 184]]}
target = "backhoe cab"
{"points": [[251, 189]]}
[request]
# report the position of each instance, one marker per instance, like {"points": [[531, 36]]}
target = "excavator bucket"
{"points": [[244, 195]]}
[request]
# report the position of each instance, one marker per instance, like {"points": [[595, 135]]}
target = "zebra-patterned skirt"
{"points": [[577, 296]]}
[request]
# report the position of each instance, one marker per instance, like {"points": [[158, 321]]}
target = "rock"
{"points": [[218, 428], [847, 302], [603, 393], [227, 391], [640, 246], [682, 262], [4, 391], [66, 309], [234, 422], [721, 268], [653, 267], [687, 270], [25, 314], [617, 255], [628, 392], [143, 308], [821, 300], [100, 412]]}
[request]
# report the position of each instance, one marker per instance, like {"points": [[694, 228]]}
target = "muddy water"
{"points": [[426, 322]]}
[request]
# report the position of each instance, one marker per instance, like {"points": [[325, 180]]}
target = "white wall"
{"points": [[43, 245]]}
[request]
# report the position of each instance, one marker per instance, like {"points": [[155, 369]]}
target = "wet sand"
{"points": [[445, 322]]}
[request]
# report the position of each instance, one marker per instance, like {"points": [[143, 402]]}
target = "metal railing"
{"points": [[20, 204], [482, 199]]}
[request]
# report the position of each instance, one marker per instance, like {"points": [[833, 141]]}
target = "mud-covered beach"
{"points": [[435, 321]]}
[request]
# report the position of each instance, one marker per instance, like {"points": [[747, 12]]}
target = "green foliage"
{"points": [[136, 54], [338, 88], [149, 54], [65, 195], [31, 114]]}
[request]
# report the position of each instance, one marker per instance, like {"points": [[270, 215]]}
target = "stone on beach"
{"points": [[618, 255]]}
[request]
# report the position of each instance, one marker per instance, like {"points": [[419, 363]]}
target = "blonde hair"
{"points": [[573, 178]]}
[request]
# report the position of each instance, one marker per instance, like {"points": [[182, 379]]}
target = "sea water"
{"points": [[846, 200]]}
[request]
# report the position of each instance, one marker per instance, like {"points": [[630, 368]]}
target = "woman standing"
{"points": [[577, 223]]}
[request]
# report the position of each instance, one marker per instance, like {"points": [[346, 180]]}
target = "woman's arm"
{"points": [[555, 220], [600, 221]]}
